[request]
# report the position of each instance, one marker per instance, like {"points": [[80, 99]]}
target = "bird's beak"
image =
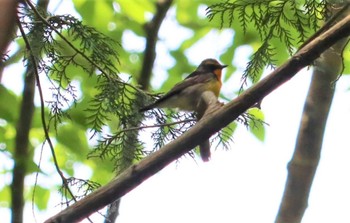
{"points": [[223, 66]]}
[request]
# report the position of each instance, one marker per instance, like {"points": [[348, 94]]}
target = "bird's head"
{"points": [[210, 65]]}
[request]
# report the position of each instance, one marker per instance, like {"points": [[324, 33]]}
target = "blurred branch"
{"points": [[7, 26], [152, 29], [32, 70], [21, 150], [303, 165], [207, 126]]}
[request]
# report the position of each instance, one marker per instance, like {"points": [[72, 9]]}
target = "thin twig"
{"points": [[155, 126], [42, 104], [145, 127]]}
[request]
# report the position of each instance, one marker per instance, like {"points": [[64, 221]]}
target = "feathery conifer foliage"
{"points": [[286, 21]]}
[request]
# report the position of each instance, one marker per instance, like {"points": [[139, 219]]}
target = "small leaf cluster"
{"points": [[171, 125], [84, 187]]}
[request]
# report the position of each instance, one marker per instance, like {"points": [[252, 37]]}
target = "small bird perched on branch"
{"points": [[188, 94]]}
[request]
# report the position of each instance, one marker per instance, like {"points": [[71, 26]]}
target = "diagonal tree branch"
{"points": [[213, 122]]}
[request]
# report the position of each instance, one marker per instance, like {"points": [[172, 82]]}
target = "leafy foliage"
{"points": [[70, 52], [91, 52], [287, 21], [95, 54], [68, 44]]}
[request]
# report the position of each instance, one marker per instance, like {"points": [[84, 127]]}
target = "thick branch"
{"points": [[152, 29], [206, 127]]}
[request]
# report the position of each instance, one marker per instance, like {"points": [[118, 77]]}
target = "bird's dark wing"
{"points": [[192, 79], [194, 73]]}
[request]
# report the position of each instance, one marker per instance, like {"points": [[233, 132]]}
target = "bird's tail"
{"points": [[204, 150]]}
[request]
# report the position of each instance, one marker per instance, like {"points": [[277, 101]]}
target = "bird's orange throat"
{"points": [[216, 85], [218, 73]]}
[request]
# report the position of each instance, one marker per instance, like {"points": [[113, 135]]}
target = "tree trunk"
{"points": [[303, 165]]}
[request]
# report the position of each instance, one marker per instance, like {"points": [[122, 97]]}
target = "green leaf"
{"points": [[42, 196], [73, 138], [7, 136], [228, 133], [346, 59], [5, 197], [9, 105], [104, 173], [32, 167], [256, 125], [136, 10]]}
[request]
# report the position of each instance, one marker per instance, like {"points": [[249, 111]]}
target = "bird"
{"points": [[187, 94]]}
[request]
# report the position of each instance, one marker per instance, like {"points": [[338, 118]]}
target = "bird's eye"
{"points": [[212, 66]]}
